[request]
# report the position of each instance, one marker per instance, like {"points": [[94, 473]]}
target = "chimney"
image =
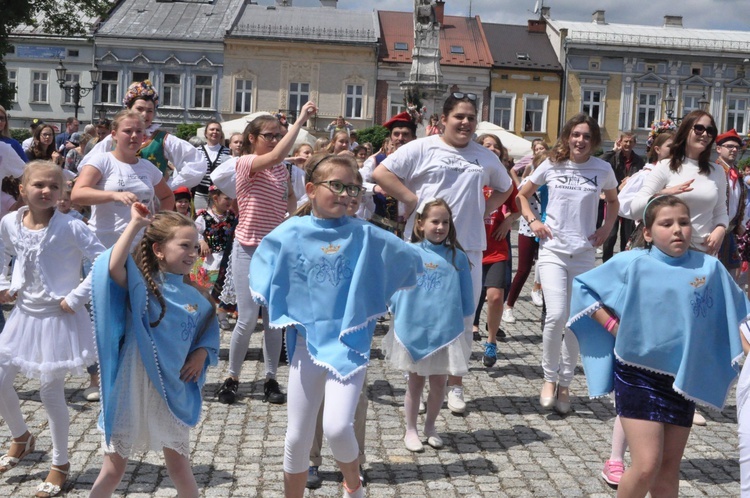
{"points": [[284, 3], [440, 11], [544, 11], [328, 3], [672, 22], [598, 17], [537, 26]]}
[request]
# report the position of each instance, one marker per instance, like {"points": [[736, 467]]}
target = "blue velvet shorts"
{"points": [[645, 395]]}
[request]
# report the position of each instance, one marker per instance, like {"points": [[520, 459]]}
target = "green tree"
{"points": [[376, 135], [55, 17], [187, 130]]}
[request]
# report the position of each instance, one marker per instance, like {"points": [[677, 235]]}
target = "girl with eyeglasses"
{"points": [[689, 174], [265, 195], [43, 146]]}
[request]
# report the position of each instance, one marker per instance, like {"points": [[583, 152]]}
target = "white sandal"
{"points": [[7, 462], [47, 489]]}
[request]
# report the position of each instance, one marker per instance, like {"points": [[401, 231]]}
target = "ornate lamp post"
{"points": [[75, 90], [669, 102]]}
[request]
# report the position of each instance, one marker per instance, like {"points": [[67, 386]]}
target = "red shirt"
{"points": [[497, 250]]}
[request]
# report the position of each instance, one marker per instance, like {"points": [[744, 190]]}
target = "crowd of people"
{"points": [[168, 242]]}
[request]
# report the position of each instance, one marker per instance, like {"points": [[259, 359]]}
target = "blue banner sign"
{"points": [[37, 52]]}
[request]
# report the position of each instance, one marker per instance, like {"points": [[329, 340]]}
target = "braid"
{"points": [[149, 266]]}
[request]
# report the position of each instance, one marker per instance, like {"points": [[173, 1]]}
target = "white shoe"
{"points": [[508, 316], [456, 403], [536, 297], [699, 419], [422, 407]]}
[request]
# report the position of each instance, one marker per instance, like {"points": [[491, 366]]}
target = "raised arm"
{"points": [[139, 218], [282, 149]]}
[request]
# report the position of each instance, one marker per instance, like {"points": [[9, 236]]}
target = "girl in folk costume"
{"points": [[158, 146], [427, 344], [156, 336], [659, 364], [327, 278], [214, 152], [49, 333], [215, 227], [183, 201]]}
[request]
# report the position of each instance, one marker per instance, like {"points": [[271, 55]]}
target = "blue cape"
{"points": [[188, 324], [417, 323], [678, 316], [331, 279]]}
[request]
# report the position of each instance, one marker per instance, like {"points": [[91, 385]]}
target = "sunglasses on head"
{"points": [[699, 129], [459, 95]]}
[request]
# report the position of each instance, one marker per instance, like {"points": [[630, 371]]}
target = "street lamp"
{"points": [[75, 90], [669, 102], [703, 102]]}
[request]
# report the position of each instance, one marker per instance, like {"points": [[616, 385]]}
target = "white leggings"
{"points": [[556, 272], [247, 316], [308, 384], [52, 393]]}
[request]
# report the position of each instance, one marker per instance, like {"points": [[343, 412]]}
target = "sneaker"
{"points": [[227, 393], [314, 481], [456, 403], [536, 297], [272, 393], [362, 476], [490, 354], [699, 419], [508, 316], [91, 393], [613, 471], [422, 407]]}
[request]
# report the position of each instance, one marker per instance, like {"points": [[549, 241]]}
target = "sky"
{"points": [[707, 14]]}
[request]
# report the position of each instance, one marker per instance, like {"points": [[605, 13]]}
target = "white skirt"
{"points": [[142, 421], [452, 359], [49, 346]]}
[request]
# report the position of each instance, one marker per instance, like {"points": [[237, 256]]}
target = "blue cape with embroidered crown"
{"points": [[678, 316], [189, 323], [444, 283], [331, 279]]}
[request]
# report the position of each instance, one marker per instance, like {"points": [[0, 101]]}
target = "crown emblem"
{"points": [[191, 307], [698, 282], [330, 249], [430, 266]]}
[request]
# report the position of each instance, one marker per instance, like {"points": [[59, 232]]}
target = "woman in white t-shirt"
{"points": [[110, 182], [567, 238], [452, 167]]}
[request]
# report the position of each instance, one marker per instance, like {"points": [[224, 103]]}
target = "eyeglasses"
{"points": [[268, 137], [338, 188], [46, 135], [730, 147], [459, 95], [699, 129]]}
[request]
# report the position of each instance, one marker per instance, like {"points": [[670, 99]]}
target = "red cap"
{"points": [[401, 119], [182, 193], [729, 135]]}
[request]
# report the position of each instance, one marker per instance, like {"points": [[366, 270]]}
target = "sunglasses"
{"points": [[268, 137], [699, 129], [338, 187], [459, 95]]}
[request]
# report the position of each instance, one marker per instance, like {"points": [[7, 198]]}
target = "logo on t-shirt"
{"points": [[577, 182]]}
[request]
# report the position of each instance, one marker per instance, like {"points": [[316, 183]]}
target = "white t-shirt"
{"points": [[433, 169], [573, 200], [109, 220]]}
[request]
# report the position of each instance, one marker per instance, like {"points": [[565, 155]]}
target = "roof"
{"points": [[669, 37], [189, 20], [28, 30], [456, 31], [323, 24], [510, 43]]}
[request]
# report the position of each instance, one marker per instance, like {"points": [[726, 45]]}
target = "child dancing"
{"points": [[156, 336]]}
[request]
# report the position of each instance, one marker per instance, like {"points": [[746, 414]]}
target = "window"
{"points": [[400, 46], [592, 103], [172, 91], [690, 103], [354, 101], [299, 94], [141, 75], [648, 109], [108, 87], [70, 80], [534, 113], [737, 114], [522, 56], [397, 104], [457, 49], [202, 93], [503, 109], [12, 81], [243, 96], [40, 86], [72, 53]]}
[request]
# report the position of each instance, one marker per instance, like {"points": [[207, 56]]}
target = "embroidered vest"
{"points": [[153, 150], [218, 234]]}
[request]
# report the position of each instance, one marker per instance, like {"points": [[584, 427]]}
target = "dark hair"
{"points": [[451, 102], [679, 145], [37, 152], [561, 150], [652, 155], [160, 231], [254, 128], [481, 138], [451, 240], [214, 121], [70, 120], [358, 148], [649, 216]]}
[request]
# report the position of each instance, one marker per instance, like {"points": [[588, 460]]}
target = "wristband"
{"points": [[532, 220], [611, 323]]}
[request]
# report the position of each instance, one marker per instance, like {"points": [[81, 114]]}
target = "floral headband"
{"points": [[657, 128], [141, 90]]}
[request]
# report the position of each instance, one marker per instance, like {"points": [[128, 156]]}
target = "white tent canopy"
{"points": [[518, 147], [238, 126]]}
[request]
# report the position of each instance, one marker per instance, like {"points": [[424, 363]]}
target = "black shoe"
{"points": [[314, 481], [501, 333], [228, 391], [272, 393], [362, 476]]}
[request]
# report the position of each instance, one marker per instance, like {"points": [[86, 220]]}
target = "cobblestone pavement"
{"points": [[505, 446]]}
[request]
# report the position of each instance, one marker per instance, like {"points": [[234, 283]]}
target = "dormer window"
{"points": [[400, 46], [457, 49], [522, 56]]}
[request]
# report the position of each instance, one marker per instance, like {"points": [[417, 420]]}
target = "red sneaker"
{"points": [[613, 471]]}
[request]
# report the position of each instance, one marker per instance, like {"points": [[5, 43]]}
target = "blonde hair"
{"points": [[40, 165], [451, 240], [318, 168], [332, 144], [126, 114]]}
